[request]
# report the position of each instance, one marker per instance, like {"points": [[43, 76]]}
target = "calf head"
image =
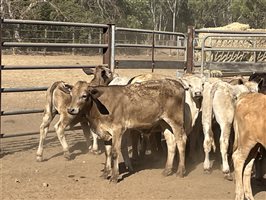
{"points": [[102, 75], [83, 96], [253, 86], [195, 85], [260, 78]]}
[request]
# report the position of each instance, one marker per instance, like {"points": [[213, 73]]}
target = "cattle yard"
{"points": [[55, 178]]}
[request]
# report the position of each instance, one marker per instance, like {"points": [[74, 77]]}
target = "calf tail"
{"points": [[49, 97], [207, 109], [236, 134]]}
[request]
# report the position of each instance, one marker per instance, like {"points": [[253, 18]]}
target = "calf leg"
{"points": [[86, 131], [60, 126], [181, 145], [47, 119], [224, 142], [171, 147], [124, 151], [239, 157], [135, 137], [116, 146], [246, 180], [94, 148], [207, 145], [181, 139], [108, 159]]}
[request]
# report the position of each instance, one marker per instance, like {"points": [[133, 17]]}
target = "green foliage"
{"points": [[148, 14]]}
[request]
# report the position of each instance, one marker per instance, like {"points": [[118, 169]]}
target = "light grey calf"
{"points": [[218, 102]]}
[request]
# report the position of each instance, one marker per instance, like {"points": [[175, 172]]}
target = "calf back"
{"points": [[250, 117]]}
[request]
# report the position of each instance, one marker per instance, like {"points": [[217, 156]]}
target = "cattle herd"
{"points": [[150, 108]]}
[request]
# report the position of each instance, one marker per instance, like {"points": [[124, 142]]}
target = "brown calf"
{"points": [[113, 110], [250, 129]]}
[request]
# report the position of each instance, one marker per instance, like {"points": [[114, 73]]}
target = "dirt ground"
{"points": [[55, 178]]}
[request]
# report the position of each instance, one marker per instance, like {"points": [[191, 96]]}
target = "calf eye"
{"points": [[84, 96]]}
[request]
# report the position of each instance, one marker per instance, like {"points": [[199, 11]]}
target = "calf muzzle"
{"points": [[73, 111]]}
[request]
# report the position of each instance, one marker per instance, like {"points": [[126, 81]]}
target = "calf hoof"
{"points": [[105, 174], [95, 152], [130, 169], [39, 158], [114, 179], [167, 172], [181, 172], [228, 176], [207, 171], [67, 155]]}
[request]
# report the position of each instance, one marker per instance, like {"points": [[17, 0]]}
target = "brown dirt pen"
{"points": [[23, 178]]}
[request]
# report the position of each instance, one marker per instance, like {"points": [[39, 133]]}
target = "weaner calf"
{"points": [[58, 100], [113, 110], [250, 129], [218, 102], [194, 88]]}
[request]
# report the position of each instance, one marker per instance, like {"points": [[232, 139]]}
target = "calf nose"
{"points": [[71, 110], [197, 94]]}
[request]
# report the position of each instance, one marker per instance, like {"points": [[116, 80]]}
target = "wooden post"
{"points": [[190, 49]]}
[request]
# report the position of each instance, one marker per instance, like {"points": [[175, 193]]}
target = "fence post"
{"points": [[108, 53], [190, 49], [45, 36], [1, 29], [152, 51], [112, 48]]}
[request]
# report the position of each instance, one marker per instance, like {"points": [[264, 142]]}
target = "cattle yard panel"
{"points": [[150, 64], [111, 44], [108, 50], [4, 44], [231, 51]]}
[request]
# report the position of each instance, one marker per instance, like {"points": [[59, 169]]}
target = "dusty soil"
{"points": [[55, 178]]}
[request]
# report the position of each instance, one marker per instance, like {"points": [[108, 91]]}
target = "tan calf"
{"points": [[250, 129], [113, 110], [57, 101]]}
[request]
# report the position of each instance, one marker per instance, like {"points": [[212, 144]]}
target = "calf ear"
{"points": [[103, 110], [261, 83], [66, 88], [240, 81], [88, 71], [94, 93], [103, 74]]}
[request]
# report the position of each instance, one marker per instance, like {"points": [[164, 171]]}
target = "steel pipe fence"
{"points": [[4, 44], [153, 46], [108, 46], [254, 37], [110, 43]]}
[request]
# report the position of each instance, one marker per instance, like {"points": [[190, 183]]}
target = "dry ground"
{"points": [[23, 178]]}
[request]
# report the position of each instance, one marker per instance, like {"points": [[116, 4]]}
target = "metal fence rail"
{"points": [[153, 46], [207, 48], [109, 44], [108, 47], [4, 44]]}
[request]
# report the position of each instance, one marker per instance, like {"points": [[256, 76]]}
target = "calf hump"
{"points": [[49, 95]]}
